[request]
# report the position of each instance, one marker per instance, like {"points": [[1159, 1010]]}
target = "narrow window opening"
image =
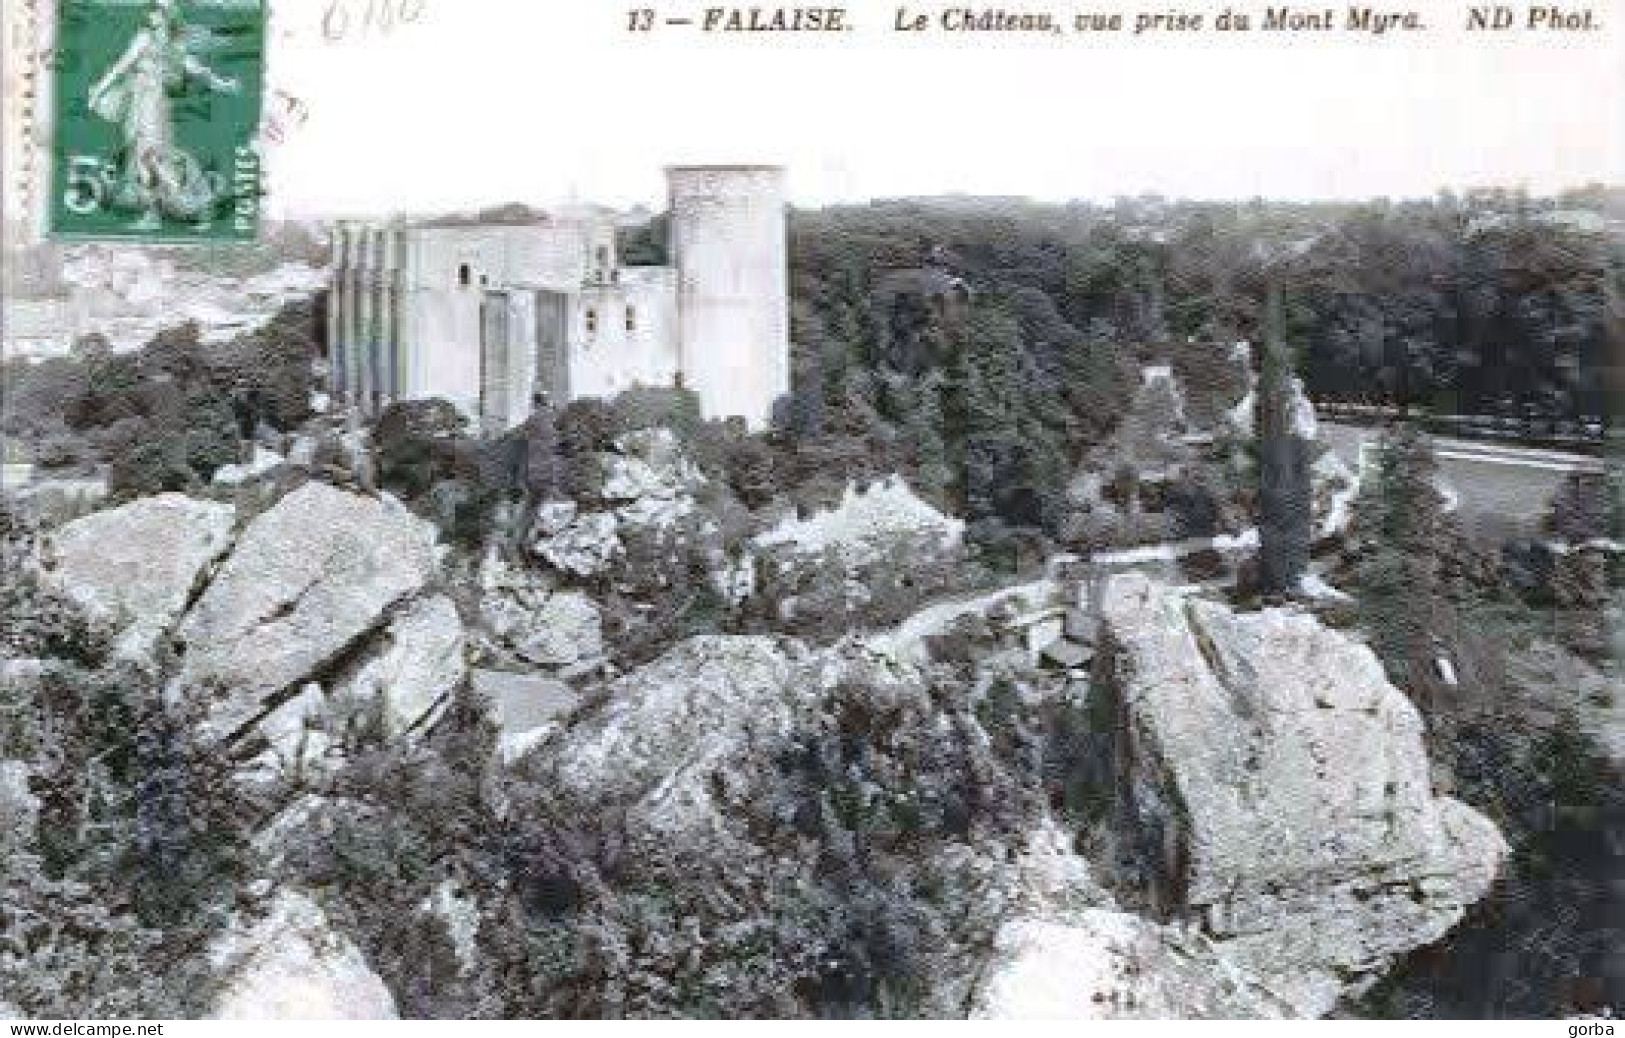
{"points": [[631, 319], [592, 322], [464, 275]]}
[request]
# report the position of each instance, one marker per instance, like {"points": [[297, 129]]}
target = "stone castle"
{"points": [[492, 317]]}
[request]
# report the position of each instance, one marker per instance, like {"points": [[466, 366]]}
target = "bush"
{"points": [[154, 467], [650, 407], [140, 845]]}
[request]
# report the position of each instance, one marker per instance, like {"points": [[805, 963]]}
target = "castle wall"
{"points": [[624, 334], [442, 314], [729, 243], [508, 359], [486, 316], [555, 314]]}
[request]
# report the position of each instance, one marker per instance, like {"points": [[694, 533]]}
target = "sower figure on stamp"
{"points": [[157, 177]]}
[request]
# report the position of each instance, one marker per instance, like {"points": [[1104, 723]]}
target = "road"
{"points": [[1504, 489]]}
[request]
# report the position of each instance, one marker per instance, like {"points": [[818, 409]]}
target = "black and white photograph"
{"points": [[897, 511]]}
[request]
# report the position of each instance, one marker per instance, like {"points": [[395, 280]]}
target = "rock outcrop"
{"points": [[1274, 786], [308, 579], [263, 463], [649, 480], [528, 708], [133, 569], [562, 630], [866, 523], [420, 663], [667, 728], [582, 545], [291, 965], [1105, 965], [526, 619]]}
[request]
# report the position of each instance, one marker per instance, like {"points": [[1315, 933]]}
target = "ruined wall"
{"points": [[728, 242], [442, 309]]}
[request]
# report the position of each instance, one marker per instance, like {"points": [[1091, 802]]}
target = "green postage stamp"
{"points": [[156, 114]]}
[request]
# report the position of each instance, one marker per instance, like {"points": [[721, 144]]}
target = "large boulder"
{"points": [[420, 661], [1275, 788], [133, 569], [528, 708], [1106, 965], [291, 965], [866, 524], [308, 580], [667, 727]]}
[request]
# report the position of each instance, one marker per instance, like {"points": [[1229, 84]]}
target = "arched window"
{"points": [[631, 319], [464, 275], [592, 322]]}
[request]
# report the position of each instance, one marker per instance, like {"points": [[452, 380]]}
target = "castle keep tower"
{"points": [[728, 244]]}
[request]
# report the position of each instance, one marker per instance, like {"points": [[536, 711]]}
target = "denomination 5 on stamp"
{"points": [[157, 107]]}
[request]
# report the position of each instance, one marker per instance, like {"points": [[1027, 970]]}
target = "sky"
{"points": [[476, 102]]}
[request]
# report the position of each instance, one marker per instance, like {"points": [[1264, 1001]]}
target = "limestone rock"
{"points": [[420, 663], [1105, 965], [1052, 879], [1333, 488], [584, 547], [553, 516], [299, 743], [1082, 626], [291, 965], [19, 807], [1279, 791], [308, 579], [263, 462], [134, 568], [559, 629], [666, 724], [303, 452], [650, 479], [868, 522], [528, 708]]}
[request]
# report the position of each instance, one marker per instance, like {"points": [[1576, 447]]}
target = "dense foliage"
{"points": [[993, 340], [1508, 729], [168, 416]]}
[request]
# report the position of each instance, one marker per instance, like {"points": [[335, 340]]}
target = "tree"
{"points": [[407, 434], [155, 466], [1284, 510], [1399, 536]]}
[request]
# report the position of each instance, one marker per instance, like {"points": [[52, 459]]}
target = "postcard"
{"points": [[905, 510]]}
